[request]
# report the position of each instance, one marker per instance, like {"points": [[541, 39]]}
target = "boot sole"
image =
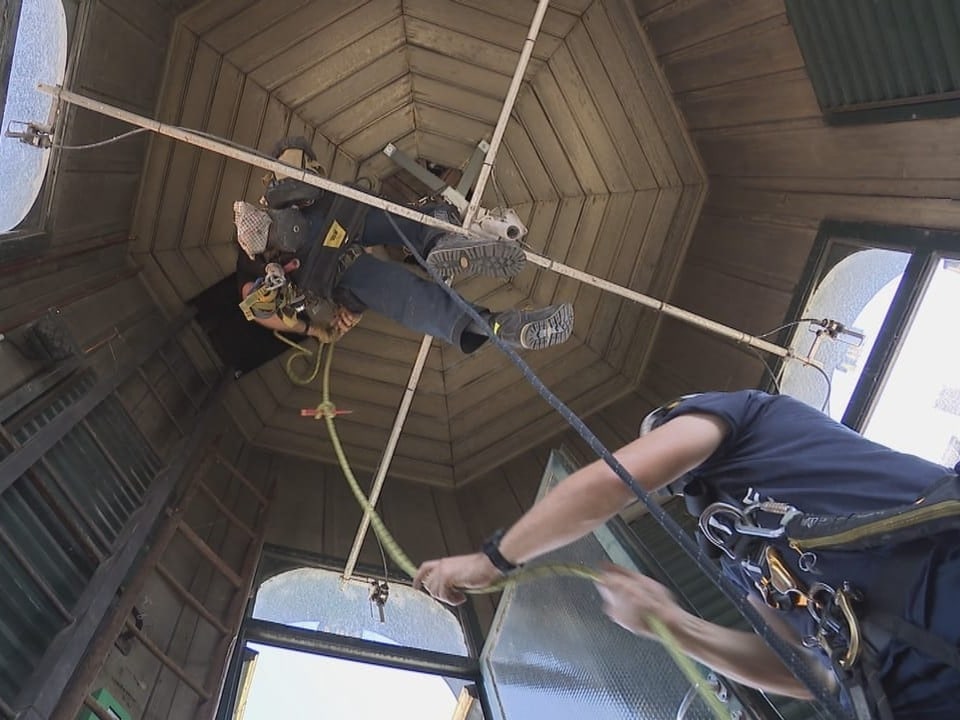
{"points": [[552, 330], [495, 259]]}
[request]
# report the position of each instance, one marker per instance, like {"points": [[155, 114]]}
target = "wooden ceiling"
{"points": [[595, 159]]}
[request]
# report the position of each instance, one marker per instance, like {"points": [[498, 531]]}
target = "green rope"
{"points": [[300, 353]]}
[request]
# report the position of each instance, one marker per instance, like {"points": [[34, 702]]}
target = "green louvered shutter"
{"points": [[881, 60]]}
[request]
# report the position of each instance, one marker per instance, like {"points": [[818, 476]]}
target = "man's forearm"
{"points": [[577, 506], [740, 656], [590, 496]]}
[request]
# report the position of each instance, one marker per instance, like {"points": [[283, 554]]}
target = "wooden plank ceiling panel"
{"points": [[605, 322], [528, 162], [461, 46], [593, 141], [366, 111], [351, 74], [457, 73], [373, 138], [233, 183], [327, 30], [466, 102], [604, 98], [556, 22], [220, 121], [206, 15], [234, 28], [482, 25], [610, 240]]}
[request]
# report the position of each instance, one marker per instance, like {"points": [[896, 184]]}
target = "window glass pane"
{"points": [[39, 55], [319, 600], [918, 410], [293, 685], [856, 292]]}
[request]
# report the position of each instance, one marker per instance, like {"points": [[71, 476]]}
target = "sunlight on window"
{"points": [[39, 55], [317, 599], [857, 292], [298, 686], [919, 406], [293, 685]]}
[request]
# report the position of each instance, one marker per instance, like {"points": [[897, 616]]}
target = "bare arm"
{"points": [[583, 502], [631, 598]]}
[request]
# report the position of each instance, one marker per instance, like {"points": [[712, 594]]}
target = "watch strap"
{"points": [[491, 548]]}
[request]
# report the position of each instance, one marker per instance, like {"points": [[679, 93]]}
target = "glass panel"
{"points": [[293, 685], [552, 653], [856, 292], [918, 410], [40, 55], [319, 600]]}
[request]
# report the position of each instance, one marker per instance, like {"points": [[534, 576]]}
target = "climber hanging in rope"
{"points": [[305, 266]]}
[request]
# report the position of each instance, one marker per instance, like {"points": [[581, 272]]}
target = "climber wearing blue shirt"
{"points": [[840, 568]]}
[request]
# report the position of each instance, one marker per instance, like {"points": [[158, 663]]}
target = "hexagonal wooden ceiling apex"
{"points": [[595, 159]]}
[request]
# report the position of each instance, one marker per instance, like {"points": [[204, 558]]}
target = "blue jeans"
{"points": [[392, 290]]}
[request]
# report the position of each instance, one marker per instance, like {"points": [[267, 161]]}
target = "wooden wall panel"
{"points": [[777, 170], [119, 59]]}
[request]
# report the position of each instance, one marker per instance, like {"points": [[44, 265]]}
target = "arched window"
{"points": [[317, 646], [39, 38], [316, 599], [892, 368]]}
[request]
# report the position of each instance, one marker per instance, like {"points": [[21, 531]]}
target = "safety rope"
{"points": [[300, 354], [328, 410], [789, 654]]}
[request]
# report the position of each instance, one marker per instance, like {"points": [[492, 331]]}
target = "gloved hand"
{"points": [[342, 322]]}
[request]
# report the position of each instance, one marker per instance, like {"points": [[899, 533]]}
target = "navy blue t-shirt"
{"points": [[781, 449]]}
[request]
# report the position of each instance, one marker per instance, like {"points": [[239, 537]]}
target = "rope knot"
{"points": [[326, 409]]}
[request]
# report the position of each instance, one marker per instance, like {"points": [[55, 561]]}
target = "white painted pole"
{"points": [[505, 112], [251, 158], [385, 461], [425, 345]]}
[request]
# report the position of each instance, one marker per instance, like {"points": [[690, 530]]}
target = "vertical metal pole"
{"points": [[505, 112], [427, 340]]}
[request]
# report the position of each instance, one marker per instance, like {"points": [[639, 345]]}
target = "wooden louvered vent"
{"points": [[881, 60]]}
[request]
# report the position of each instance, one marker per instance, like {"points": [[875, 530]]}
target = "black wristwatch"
{"points": [[491, 548]]}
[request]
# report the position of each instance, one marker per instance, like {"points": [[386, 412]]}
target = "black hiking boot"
{"points": [[534, 329], [457, 255]]}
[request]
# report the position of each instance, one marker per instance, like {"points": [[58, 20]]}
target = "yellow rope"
{"points": [[328, 410], [300, 353]]}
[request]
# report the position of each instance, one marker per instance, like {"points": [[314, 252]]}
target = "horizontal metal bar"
{"points": [[367, 651], [40, 695], [200, 544], [191, 600], [175, 668], [17, 463]]}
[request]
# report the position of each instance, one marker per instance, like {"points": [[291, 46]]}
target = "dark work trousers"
{"points": [[392, 290]]}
